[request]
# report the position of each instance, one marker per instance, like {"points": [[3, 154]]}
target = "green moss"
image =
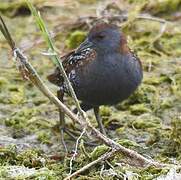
{"points": [[75, 38], [3, 173], [115, 118], [146, 121], [155, 80], [44, 137], [19, 121], [138, 109], [31, 158], [152, 172], [143, 95], [174, 139], [166, 103], [98, 151], [128, 143], [160, 6], [105, 111], [3, 82], [8, 155], [22, 115], [174, 43], [21, 172], [38, 101], [154, 137], [87, 1], [17, 96]]}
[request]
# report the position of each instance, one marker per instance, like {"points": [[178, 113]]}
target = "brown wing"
{"points": [[56, 77], [70, 62]]}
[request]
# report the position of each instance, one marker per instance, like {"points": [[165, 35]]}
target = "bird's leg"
{"points": [[86, 107], [60, 95], [99, 120]]}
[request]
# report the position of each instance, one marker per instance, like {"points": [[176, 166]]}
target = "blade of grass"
{"points": [[6, 33], [55, 58]]}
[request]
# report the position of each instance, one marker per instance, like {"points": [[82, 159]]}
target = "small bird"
{"points": [[102, 70]]}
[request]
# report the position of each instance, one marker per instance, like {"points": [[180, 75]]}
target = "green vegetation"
{"points": [[75, 39]]}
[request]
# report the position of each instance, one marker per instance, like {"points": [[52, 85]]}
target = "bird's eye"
{"points": [[100, 36]]}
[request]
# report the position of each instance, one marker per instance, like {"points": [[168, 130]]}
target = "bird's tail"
{"points": [[6, 34]]}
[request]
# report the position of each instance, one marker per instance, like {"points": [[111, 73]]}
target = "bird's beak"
{"points": [[86, 44]]}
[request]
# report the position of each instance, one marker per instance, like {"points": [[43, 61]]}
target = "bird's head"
{"points": [[105, 38]]}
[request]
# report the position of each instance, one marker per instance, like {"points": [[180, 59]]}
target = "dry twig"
{"points": [[104, 157], [76, 148]]}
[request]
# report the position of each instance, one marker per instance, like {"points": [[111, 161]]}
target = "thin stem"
{"points": [[55, 57], [76, 149]]}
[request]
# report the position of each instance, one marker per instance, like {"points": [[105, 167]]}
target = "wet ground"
{"points": [[148, 122]]}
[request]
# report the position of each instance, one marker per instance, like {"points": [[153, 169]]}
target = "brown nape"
{"points": [[124, 49], [101, 26]]}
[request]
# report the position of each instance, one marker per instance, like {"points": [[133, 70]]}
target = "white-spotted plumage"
{"points": [[75, 61], [80, 56], [72, 62]]}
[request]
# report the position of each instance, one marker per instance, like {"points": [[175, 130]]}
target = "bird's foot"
{"points": [[73, 136]]}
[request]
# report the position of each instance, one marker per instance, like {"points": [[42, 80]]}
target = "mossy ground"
{"points": [[148, 122]]}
